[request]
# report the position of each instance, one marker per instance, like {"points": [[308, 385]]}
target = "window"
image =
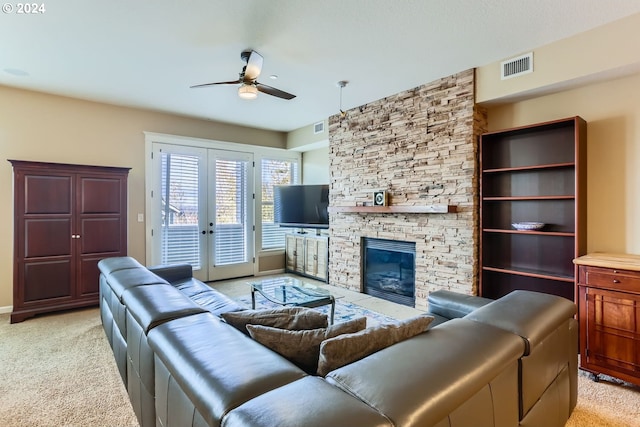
{"points": [[274, 172]]}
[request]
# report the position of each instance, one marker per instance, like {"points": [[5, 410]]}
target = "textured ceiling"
{"points": [[146, 53]]}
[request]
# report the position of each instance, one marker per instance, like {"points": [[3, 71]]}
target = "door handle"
{"points": [[204, 232]]}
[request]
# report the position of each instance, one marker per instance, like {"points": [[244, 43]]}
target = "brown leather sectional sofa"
{"points": [[507, 362]]}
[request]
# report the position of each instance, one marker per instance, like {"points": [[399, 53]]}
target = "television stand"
{"points": [[307, 255]]}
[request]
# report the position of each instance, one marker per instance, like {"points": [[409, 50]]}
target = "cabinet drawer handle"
{"points": [[616, 281]]}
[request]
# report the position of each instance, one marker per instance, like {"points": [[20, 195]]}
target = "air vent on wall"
{"points": [[318, 127], [517, 66]]}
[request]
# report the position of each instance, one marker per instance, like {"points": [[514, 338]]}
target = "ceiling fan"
{"points": [[249, 85]]}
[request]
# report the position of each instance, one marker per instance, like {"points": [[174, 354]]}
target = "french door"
{"points": [[203, 211]]}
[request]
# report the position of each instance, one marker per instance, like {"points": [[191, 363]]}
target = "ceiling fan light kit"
{"points": [[248, 92], [248, 80]]}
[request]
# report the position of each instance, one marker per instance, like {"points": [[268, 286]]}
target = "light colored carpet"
{"points": [[607, 403], [58, 370]]}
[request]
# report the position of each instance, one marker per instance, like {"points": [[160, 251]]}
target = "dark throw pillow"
{"points": [[303, 346], [348, 348], [283, 317]]}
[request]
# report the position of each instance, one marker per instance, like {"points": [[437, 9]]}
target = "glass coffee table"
{"points": [[289, 291]]}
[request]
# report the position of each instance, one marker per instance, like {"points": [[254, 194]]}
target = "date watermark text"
{"points": [[24, 8]]}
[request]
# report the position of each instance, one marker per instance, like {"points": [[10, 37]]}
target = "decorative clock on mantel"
{"points": [[379, 198]]}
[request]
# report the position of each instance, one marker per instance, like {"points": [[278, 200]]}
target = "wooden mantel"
{"points": [[425, 209]]}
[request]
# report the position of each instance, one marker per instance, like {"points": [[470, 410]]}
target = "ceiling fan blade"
{"points": [[235, 82], [273, 91], [254, 66]]}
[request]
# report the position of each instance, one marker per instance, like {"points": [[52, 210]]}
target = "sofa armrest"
{"points": [[532, 315], [174, 272], [451, 305]]}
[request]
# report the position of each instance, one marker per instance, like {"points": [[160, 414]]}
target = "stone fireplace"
{"points": [[420, 146]]}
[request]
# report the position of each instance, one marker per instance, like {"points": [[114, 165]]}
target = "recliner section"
{"points": [[116, 276], [215, 366], [148, 307], [419, 377], [549, 364]]}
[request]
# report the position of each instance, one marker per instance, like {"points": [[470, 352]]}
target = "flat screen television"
{"points": [[301, 206]]}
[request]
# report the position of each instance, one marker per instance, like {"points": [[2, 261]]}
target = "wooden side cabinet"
{"points": [[609, 315], [294, 248], [307, 255], [66, 219], [317, 257]]}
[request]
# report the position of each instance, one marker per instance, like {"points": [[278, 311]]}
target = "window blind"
{"points": [[274, 172], [179, 187], [231, 212]]}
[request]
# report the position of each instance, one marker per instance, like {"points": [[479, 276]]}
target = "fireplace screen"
{"points": [[389, 270]]}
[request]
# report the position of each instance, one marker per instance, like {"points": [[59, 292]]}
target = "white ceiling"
{"points": [[146, 53]]}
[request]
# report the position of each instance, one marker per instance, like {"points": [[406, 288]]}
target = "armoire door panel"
{"points": [[44, 280], [48, 194], [100, 196], [101, 235], [89, 276], [45, 237]]}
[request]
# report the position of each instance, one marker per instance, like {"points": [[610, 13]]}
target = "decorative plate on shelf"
{"points": [[528, 226]]}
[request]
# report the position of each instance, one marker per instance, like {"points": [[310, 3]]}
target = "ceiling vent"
{"points": [[318, 128], [517, 66]]}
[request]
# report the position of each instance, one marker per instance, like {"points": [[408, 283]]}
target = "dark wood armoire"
{"points": [[66, 219]]}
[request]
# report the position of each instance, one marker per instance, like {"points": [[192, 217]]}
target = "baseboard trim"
{"points": [[6, 309]]}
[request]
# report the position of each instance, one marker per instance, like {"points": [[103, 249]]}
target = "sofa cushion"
{"points": [[348, 348], [308, 402], [425, 378], [152, 305], [283, 317], [302, 346]]}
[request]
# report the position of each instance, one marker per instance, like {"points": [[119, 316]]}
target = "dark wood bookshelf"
{"points": [[532, 173]]}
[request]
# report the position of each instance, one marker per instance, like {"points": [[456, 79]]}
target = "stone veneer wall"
{"points": [[421, 147]]}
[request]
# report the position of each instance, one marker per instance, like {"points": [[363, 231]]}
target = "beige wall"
{"points": [[612, 112], [315, 166], [40, 127], [305, 138], [604, 52]]}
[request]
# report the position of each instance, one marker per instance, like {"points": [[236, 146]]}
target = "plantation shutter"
{"points": [[180, 239], [231, 214], [274, 172]]}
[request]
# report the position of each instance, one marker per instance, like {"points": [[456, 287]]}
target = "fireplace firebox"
{"points": [[388, 270]]}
